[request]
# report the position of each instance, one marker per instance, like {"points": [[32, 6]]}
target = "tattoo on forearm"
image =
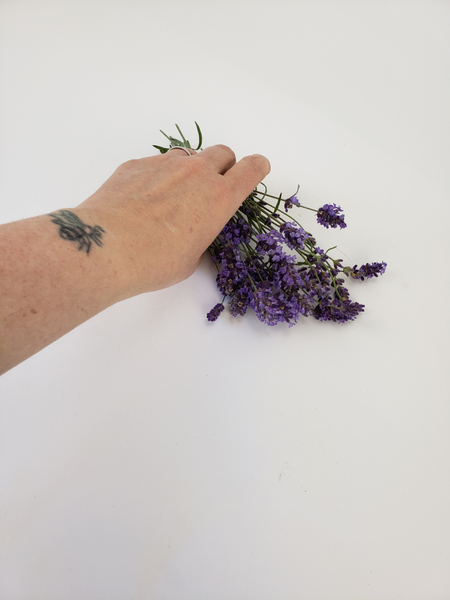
{"points": [[73, 229]]}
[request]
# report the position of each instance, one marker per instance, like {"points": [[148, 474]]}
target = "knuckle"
{"points": [[129, 165], [192, 167], [227, 150]]}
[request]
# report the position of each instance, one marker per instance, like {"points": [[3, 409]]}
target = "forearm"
{"points": [[144, 229], [50, 284]]}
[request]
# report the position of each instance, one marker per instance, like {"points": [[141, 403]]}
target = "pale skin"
{"points": [[156, 215]]}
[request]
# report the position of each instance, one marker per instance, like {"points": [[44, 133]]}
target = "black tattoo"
{"points": [[73, 229]]}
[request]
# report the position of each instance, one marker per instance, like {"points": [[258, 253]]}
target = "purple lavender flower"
{"points": [[285, 275], [294, 236], [240, 301], [289, 203], [305, 305], [366, 271], [214, 313], [267, 243], [233, 271], [340, 309], [274, 306], [256, 268], [329, 216], [236, 232]]}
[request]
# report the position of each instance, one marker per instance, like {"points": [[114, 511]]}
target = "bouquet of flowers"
{"points": [[266, 261]]}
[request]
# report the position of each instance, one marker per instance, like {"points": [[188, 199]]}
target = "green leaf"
{"points": [[186, 143], [165, 134], [200, 137], [161, 149], [277, 204], [173, 141]]}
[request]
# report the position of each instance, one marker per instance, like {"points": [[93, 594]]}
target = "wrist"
{"points": [[108, 257], [50, 283]]}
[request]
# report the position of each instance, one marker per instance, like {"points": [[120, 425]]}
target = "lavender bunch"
{"points": [[266, 261]]}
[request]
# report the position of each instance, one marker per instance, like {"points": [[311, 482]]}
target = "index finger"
{"points": [[245, 175]]}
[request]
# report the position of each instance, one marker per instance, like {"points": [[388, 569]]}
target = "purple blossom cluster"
{"points": [[236, 232], [294, 236], [267, 262], [257, 271], [214, 313], [329, 215], [366, 271], [290, 202]]}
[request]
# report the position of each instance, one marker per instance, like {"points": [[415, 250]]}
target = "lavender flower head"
{"points": [[366, 271], [236, 231], [274, 306], [214, 313], [294, 236], [289, 203], [267, 262], [329, 215]]}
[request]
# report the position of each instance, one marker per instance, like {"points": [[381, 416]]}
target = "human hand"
{"points": [[146, 228], [161, 213]]}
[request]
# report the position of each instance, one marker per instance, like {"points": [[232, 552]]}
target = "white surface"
{"points": [[149, 454]]}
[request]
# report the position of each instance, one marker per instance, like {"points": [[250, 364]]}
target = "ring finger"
{"points": [[219, 157], [182, 151]]}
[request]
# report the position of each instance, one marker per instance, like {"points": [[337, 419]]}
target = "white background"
{"points": [[151, 454]]}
